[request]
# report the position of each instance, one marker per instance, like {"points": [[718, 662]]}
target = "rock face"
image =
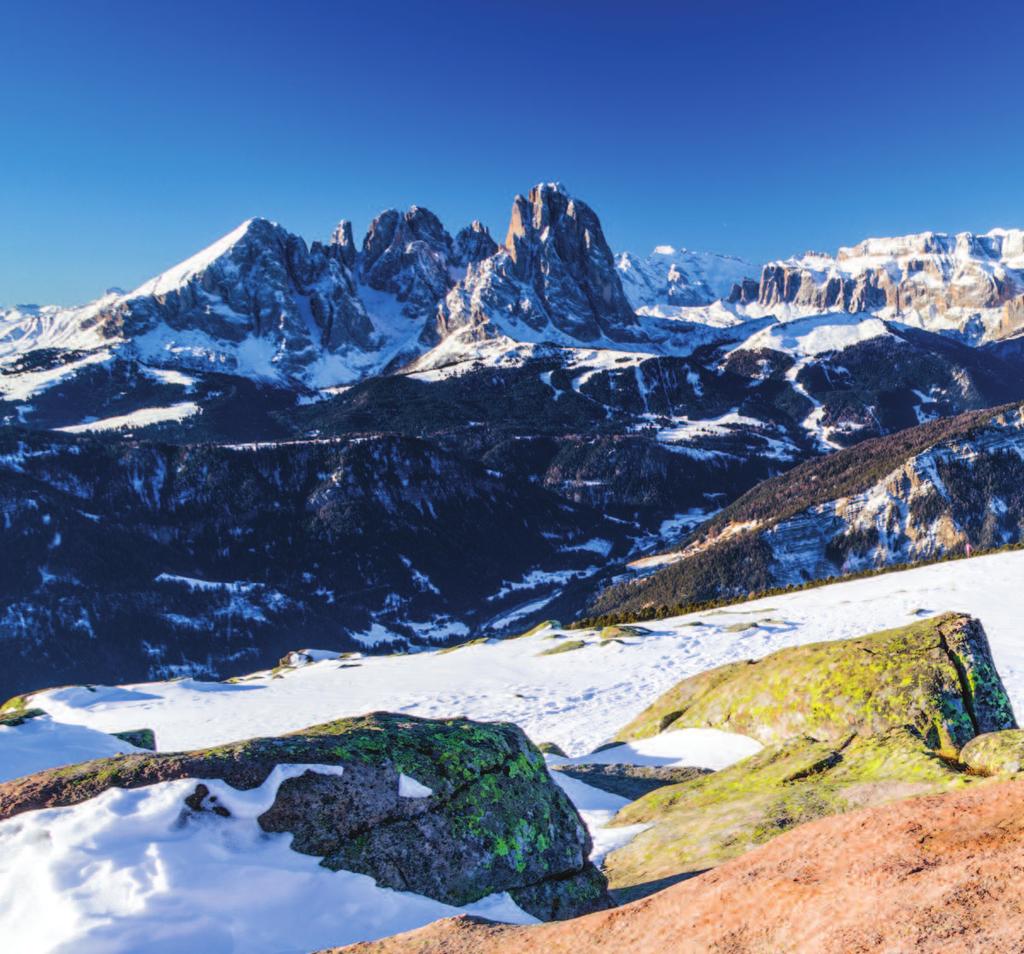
{"points": [[935, 874], [847, 724], [922, 494], [966, 282], [554, 280], [483, 817], [697, 825], [936, 677], [473, 244], [260, 284], [407, 254]]}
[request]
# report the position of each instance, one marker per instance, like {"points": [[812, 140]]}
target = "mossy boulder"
{"points": [[995, 753], [140, 738], [552, 748], [623, 632], [936, 676], [565, 647], [13, 717], [703, 822], [533, 630], [493, 820]]}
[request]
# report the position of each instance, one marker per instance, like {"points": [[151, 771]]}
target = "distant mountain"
{"points": [[670, 279], [926, 492], [969, 284], [375, 416]]}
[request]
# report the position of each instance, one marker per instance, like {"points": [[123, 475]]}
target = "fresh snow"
{"points": [[42, 743], [818, 334], [409, 788], [578, 699], [129, 871], [706, 748], [121, 868], [143, 417], [179, 275]]}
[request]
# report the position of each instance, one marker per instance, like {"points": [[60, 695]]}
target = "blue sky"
{"points": [[135, 133]]}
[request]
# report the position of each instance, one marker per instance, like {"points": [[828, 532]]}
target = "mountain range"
{"points": [[276, 438]]}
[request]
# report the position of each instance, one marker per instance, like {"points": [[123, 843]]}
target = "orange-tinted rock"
{"points": [[941, 873]]}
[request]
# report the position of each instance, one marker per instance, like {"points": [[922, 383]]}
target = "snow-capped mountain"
{"points": [[554, 280], [259, 303], [670, 279], [969, 284]]}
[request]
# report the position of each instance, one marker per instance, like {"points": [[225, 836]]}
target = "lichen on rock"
{"points": [[995, 753], [494, 821], [847, 724], [936, 675]]}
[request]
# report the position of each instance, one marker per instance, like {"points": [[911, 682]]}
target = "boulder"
{"points": [[995, 753], [451, 809], [701, 823], [140, 738], [847, 724], [936, 676], [928, 875]]}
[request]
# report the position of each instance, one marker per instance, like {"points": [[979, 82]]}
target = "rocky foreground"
{"points": [[940, 873]]}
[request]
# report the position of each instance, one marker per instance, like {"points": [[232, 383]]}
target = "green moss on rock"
{"points": [[566, 647], [479, 641], [14, 717], [533, 630], [995, 753], [552, 748], [140, 738], [936, 676], [495, 821], [701, 823], [623, 632]]}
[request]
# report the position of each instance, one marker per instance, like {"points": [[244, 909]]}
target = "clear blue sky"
{"points": [[133, 133]]}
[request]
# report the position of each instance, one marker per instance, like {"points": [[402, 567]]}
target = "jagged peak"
{"points": [[342, 238], [181, 273]]}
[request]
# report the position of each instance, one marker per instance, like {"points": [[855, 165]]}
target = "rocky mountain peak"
{"points": [[473, 244], [341, 237], [407, 254], [554, 280]]}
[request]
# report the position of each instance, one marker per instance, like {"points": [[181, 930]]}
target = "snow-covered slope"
{"points": [[576, 699], [144, 866], [670, 279]]}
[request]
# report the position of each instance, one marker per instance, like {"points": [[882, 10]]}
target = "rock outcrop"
{"points": [[473, 244], [407, 254], [965, 282], [935, 875], [847, 724], [554, 280], [936, 677], [454, 810], [995, 753], [260, 283]]}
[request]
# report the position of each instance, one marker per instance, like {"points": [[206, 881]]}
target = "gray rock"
{"points": [[629, 781], [556, 276], [493, 819]]}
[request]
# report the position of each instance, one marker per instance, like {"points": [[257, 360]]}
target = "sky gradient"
{"points": [[135, 133]]}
